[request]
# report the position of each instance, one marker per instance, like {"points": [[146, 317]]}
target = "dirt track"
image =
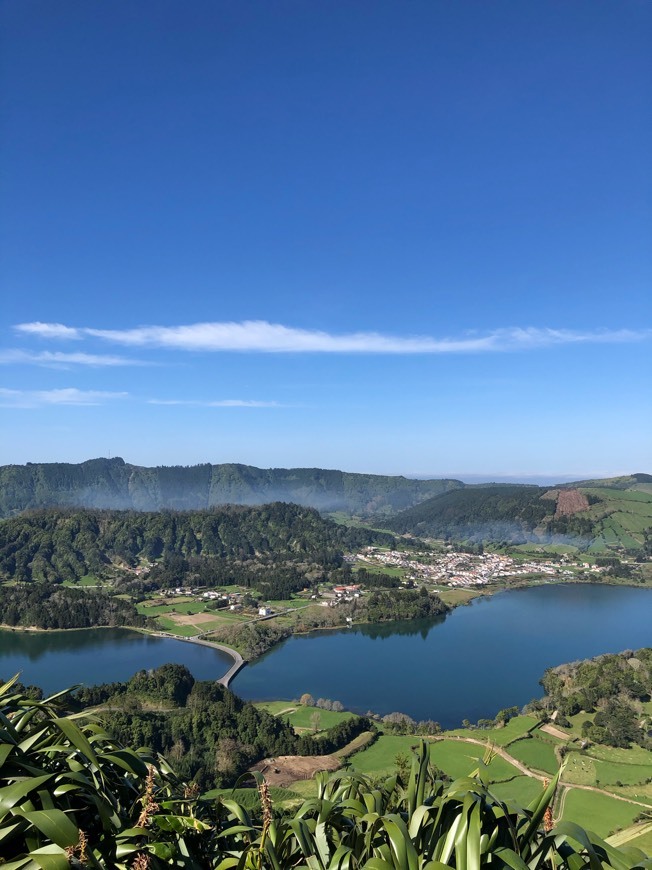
{"points": [[286, 769]]}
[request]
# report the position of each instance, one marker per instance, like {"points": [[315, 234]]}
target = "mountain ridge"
{"points": [[116, 484]]}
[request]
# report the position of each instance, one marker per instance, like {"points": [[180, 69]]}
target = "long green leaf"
{"points": [[11, 794], [54, 824]]}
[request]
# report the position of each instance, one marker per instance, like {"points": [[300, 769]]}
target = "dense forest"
{"points": [[613, 687], [115, 484], [390, 604], [55, 545], [48, 605], [507, 513], [209, 734]]}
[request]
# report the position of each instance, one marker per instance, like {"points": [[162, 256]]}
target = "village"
{"points": [[453, 568]]}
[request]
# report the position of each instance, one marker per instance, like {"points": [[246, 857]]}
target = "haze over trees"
{"points": [[598, 515], [116, 484]]}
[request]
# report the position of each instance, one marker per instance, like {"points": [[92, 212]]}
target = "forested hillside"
{"points": [[56, 545], [208, 733], [615, 689], [113, 483], [596, 515]]}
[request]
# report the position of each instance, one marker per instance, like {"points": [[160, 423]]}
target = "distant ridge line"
{"points": [[115, 484]]}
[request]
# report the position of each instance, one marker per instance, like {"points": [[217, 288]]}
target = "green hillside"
{"points": [[56, 545], [598, 516], [115, 484]]}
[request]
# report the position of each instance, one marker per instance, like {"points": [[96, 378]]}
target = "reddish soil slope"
{"points": [[570, 501]]}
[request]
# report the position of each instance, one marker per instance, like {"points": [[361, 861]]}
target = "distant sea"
{"points": [[534, 479]]}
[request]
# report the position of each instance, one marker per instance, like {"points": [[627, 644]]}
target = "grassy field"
{"points": [[175, 615], [453, 597], [595, 811], [598, 813], [536, 754], [301, 718], [455, 757], [515, 728], [521, 789]]}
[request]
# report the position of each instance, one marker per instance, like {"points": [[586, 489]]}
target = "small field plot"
{"points": [[378, 568], [172, 627], [452, 597], [380, 757], [579, 768], [642, 841], [633, 755], [535, 753], [306, 717], [457, 758], [515, 728], [521, 789], [276, 707], [642, 793], [598, 813], [576, 722], [610, 773]]}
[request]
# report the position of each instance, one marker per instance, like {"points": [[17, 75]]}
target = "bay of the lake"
{"points": [[468, 665], [55, 660], [477, 660]]}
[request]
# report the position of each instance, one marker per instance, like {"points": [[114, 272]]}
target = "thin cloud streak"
{"points": [[259, 336], [59, 359], [49, 330], [51, 398], [217, 403]]}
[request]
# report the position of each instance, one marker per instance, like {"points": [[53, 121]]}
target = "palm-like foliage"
{"points": [[424, 825], [70, 796]]}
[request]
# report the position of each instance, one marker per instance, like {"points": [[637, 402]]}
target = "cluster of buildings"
{"points": [[459, 569]]}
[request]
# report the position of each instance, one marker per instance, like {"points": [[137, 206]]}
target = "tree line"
{"points": [[51, 606]]}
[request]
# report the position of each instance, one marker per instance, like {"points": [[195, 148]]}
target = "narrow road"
{"points": [[497, 750], [563, 786]]}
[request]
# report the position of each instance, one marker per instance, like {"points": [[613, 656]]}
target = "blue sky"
{"points": [[379, 236]]}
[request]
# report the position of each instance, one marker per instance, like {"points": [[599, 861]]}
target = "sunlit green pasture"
{"points": [[521, 789], [535, 753], [515, 728], [598, 813], [307, 717]]}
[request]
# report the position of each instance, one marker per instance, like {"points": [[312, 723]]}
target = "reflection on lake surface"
{"points": [[59, 659], [469, 664], [479, 659]]}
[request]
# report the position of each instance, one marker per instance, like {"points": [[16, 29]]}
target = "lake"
{"points": [[470, 664], [59, 659], [479, 659]]}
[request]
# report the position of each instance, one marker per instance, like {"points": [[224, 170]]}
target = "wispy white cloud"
{"points": [[49, 330], [59, 359], [216, 403], [259, 336], [45, 398]]}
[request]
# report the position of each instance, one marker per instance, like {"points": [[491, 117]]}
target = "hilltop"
{"points": [[116, 484], [593, 515]]}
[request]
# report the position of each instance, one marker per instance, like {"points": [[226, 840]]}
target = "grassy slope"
{"points": [[619, 519]]}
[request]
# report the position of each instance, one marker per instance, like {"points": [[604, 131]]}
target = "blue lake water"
{"points": [[479, 659], [59, 659]]}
